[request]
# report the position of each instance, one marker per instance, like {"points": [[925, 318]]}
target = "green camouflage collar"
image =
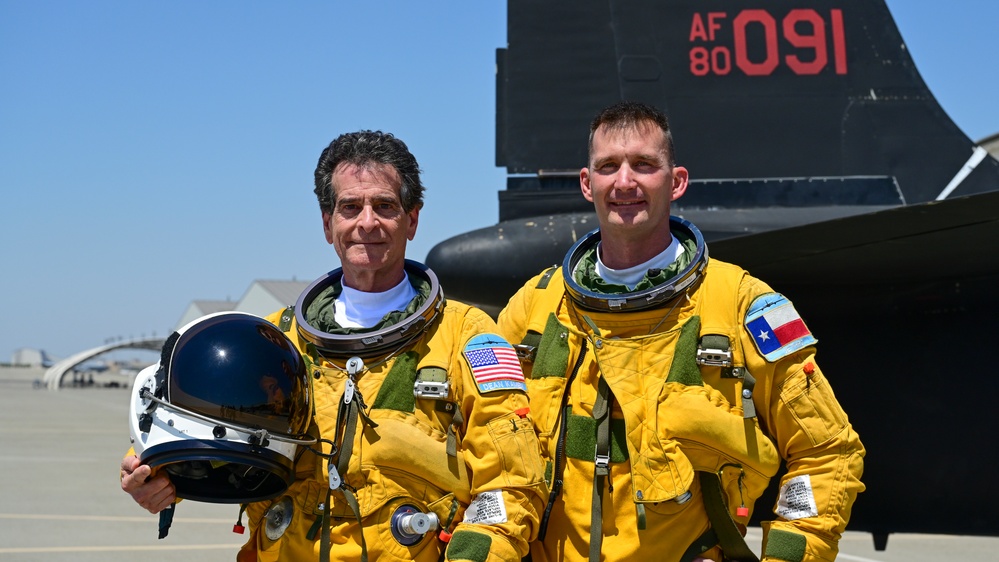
{"points": [[319, 313], [584, 271]]}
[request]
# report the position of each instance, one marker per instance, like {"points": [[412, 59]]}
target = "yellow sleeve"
{"points": [[513, 319], [824, 459], [824, 456], [504, 461]]}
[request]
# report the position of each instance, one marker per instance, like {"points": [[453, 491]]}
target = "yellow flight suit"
{"points": [[670, 425], [400, 457]]}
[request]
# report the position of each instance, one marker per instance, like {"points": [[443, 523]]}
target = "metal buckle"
{"points": [[602, 461], [431, 389], [526, 352], [714, 357]]}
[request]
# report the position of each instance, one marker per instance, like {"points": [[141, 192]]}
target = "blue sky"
{"points": [[154, 153]]}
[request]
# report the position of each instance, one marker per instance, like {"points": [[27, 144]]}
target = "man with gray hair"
{"points": [[427, 448]]}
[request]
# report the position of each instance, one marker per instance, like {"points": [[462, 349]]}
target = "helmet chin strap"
{"points": [[166, 519]]}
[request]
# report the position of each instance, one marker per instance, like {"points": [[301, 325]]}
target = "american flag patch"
{"points": [[494, 364], [776, 327]]}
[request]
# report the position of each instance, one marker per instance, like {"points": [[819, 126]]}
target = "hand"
{"points": [[153, 494]]}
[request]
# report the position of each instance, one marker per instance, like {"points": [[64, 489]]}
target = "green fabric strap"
{"points": [[716, 341], [559, 467], [552, 359], [685, 369], [601, 465], [640, 521], [452, 439], [286, 317], [785, 545], [701, 544], [469, 545], [431, 374], [546, 277], [532, 339], [396, 392], [731, 540], [352, 502], [527, 351], [451, 514], [324, 541], [316, 525], [748, 383], [581, 438], [347, 419]]}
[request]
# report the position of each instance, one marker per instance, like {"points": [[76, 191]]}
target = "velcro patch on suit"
{"points": [[494, 364], [797, 500], [488, 508], [776, 327]]}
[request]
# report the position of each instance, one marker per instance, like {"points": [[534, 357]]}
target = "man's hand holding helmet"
{"points": [[153, 493]]}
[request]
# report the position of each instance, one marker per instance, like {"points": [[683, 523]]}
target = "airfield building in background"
{"points": [[263, 297]]}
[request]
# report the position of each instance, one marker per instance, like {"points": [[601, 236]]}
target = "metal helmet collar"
{"points": [[378, 342], [653, 297]]}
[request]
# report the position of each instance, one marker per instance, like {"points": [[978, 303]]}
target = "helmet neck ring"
{"points": [[373, 343], [650, 298]]}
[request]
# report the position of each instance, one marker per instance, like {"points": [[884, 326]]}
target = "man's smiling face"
{"points": [[369, 227], [631, 183]]}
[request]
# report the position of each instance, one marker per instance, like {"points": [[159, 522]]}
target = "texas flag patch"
{"points": [[494, 364], [776, 327]]}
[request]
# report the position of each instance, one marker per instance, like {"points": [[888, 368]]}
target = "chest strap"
{"points": [[432, 383], [351, 408], [716, 350], [732, 543], [559, 467], [284, 324], [601, 465]]}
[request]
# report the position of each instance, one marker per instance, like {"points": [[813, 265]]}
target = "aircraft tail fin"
{"points": [[753, 90], [47, 360]]}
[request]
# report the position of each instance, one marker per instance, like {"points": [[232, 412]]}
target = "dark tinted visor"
{"points": [[240, 369]]}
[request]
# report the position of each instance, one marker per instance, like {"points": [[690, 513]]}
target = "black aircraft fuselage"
{"points": [[820, 162]]}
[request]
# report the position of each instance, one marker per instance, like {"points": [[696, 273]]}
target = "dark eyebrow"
{"points": [[375, 200], [653, 157], [345, 199]]}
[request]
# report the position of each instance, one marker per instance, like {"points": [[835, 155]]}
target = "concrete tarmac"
{"points": [[60, 497]]}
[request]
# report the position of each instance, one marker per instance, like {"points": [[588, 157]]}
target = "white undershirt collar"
{"points": [[630, 277], [359, 309]]}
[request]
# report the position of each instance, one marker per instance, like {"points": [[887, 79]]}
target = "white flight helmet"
{"points": [[224, 410]]}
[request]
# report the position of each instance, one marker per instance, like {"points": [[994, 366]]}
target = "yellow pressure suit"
{"points": [[680, 430], [438, 456]]}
